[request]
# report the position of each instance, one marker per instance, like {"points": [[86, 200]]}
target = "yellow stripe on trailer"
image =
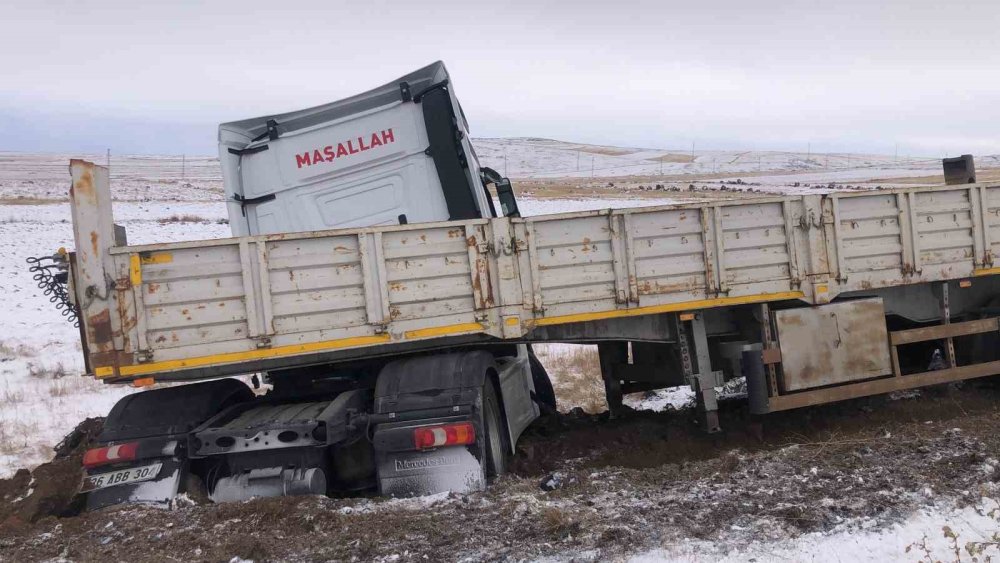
{"points": [[231, 357], [669, 308], [168, 365], [448, 330]]}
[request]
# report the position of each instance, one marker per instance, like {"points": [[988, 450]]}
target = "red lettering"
{"points": [[329, 154]]}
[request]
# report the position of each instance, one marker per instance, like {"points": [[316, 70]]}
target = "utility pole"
{"points": [[107, 159], [577, 161], [809, 150], [692, 151], [591, 166], [505, 163], [896, 159], [183, 167]]}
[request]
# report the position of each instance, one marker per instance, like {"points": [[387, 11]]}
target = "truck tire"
{"points": [[494, 433]]}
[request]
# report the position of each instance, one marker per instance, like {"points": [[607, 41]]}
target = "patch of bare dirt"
{"points": [[586, 484], [50, 490]]}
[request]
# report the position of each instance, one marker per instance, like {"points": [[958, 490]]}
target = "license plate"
{"points": [[120, 477]]}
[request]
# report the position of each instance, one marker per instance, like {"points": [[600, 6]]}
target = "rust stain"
{"points": [[652, 287], [161, 339], [100, 328], [341, 250], [93, 241], [471, 241], [454, 233], [154, 287], [184, 311], [423, 238], [85, 185], [291, 275], [397, 286], [482, 285]]}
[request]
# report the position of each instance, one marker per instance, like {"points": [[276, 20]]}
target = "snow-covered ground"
{"points": [[546, 158], [937, 533]]}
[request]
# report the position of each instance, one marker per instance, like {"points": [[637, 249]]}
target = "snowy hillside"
{"points": [[546, 158]]}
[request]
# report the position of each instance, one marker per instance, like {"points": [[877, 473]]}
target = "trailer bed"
{"points": [[193, 310]]}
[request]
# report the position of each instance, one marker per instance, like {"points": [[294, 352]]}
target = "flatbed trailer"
{"points": [[657, 287]]}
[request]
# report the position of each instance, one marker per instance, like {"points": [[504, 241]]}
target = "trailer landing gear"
{"points": [[693, 345]]}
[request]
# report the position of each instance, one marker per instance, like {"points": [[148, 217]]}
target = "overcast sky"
{"points": [[157, 78]]}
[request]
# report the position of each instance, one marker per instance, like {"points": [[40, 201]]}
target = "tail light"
{"points": [[458, 434], [110, 454]]}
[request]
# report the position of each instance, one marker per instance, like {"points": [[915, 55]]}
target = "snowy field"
{"points": [[42, 395], [545, 158]]}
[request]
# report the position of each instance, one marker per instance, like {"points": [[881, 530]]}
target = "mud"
{"points": [[50, 490], [622, 486]]}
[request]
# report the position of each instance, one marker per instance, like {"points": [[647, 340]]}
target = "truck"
{"points": [[383, 301]]}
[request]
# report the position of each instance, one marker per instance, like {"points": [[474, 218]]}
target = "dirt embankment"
{"points": [[597, 487], [50, 490]]}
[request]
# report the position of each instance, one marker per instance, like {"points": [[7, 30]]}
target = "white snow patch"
{"points": [[661, 399], [847, 543]]}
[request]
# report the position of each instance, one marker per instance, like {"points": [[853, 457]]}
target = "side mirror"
{"points": [[505, 193]]}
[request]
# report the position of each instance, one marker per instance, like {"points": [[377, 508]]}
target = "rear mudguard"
{"points": [[426, 390]]}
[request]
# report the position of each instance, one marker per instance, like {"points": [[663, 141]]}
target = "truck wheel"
{"points": [[493, 429]]}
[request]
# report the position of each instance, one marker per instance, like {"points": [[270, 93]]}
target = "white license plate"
{"points": [[120, 477]]}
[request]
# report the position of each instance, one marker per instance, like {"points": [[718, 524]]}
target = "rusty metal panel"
{"points": [[991, 214], [428, 273], [575, 260], [669, 250], [870, 234], [754, 243], [93, 229], [945, 228], [832, 344], [316, 284]]}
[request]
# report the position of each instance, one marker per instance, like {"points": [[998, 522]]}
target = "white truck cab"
{"points": [[397, 154]]}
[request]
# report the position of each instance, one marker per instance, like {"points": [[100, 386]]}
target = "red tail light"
{"points": [[110, 454], [458, 434]]}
